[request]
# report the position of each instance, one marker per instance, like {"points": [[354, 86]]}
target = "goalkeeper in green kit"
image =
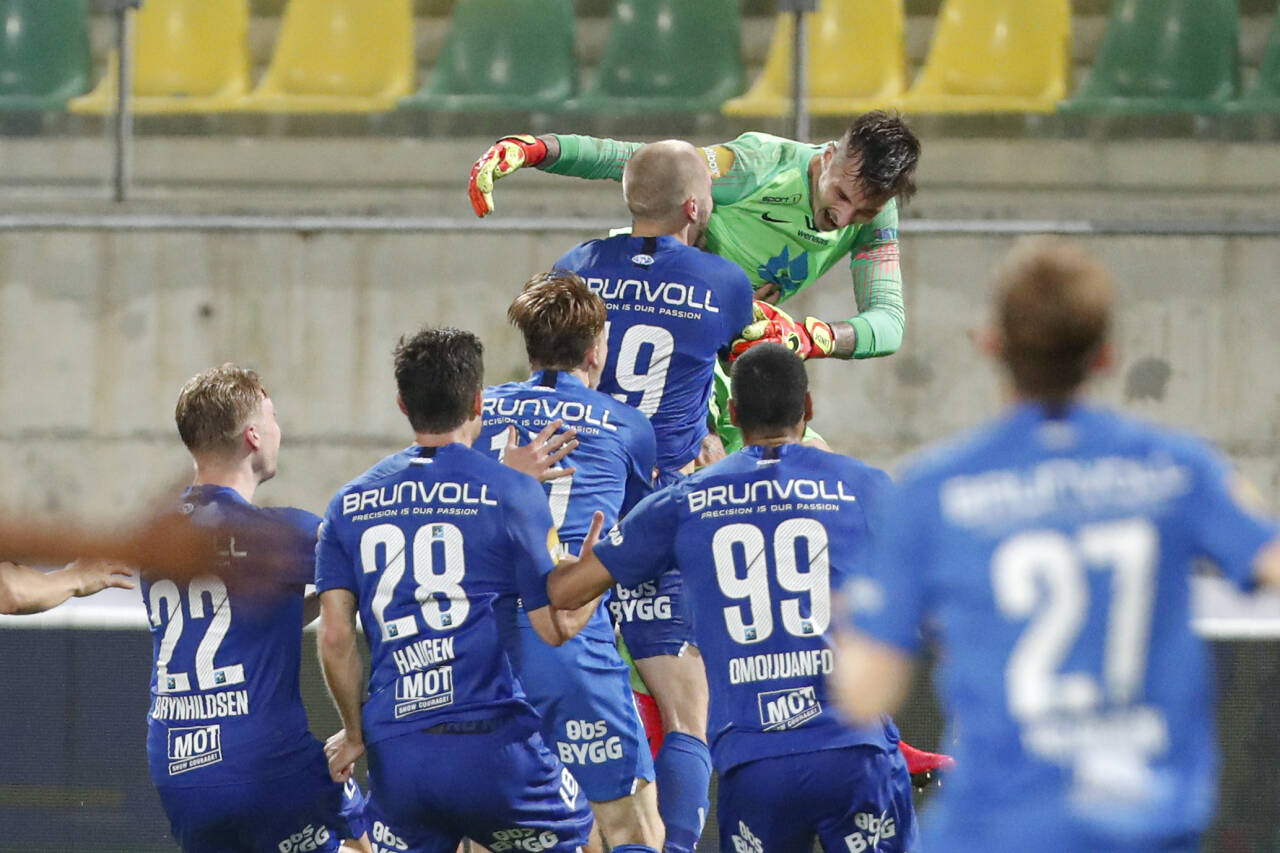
{"points": [[785, 212]]}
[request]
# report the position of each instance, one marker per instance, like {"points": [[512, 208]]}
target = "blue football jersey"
{"points": [[613, 462], [437, 544], [760, 539], [672, 308], [1053, 555], [225, 702]]}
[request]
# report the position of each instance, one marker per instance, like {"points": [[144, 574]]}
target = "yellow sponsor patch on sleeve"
{"points": [[719, 159]]}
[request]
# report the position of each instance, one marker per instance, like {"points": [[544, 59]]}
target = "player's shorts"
{"points": [[582, 689], [854, 799], [502, 788], [382, 835], [654, 617], [298, 812]]}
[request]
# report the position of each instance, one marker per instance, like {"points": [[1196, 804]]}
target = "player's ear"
{"points": [[404, 410], [988, 342], [252, 437], [1103, 360], [477, 405], [808, 407], [733, 412], [690, 209]]}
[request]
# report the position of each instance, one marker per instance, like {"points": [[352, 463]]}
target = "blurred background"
{"points": [[286, 189]]}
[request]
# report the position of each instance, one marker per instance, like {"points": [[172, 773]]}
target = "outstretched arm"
{"points": [[878, 327], [24, 590]]}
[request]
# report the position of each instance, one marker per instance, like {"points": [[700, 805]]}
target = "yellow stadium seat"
{"points": [[339, 56], [995, 56], [857, 61], [189, 56]]}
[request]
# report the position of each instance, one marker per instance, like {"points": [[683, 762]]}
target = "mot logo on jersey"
{"points": [[193, 747], [424, 690], [788, 709], [871, 830]]}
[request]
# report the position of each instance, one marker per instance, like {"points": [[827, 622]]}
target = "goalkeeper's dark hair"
{"points": [[888, 153], [1053, 313], [438, 372], [768, 384], [560, 318]]}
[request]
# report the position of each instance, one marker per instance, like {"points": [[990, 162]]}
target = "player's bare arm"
{"points": [[580, 580], [343, 673], [870, 678], [24, 590]]}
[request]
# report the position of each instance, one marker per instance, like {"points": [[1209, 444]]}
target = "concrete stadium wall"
{"points": [[99, 329]]}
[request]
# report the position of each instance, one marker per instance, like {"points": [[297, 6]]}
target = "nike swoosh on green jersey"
{"points": [[767, 218]]}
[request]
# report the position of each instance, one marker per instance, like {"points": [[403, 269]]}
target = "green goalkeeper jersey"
{"points": [[763, 222]]}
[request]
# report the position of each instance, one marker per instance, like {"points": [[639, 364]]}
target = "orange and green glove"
{"points": [[503, 157], [810, 339]]}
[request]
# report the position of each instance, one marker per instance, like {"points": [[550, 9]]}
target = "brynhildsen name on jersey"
{"points": [[1012, 496], [206, 706], [765, 495], [669, 298], [582, 416], [420, 498]]}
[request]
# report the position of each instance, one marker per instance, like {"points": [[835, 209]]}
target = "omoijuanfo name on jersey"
{"points": [[779, 665], [761, 492]]}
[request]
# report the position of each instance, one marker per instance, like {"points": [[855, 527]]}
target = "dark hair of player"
{"points": [[214, 406], [888, 152], [438, 372], [768, 385], [560, 318], [1053, 313]]}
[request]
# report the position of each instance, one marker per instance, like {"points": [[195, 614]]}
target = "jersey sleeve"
{"points": [[334, 566], [888, 601], [1228, 529], [528, 519], [873, 489], [642, 546], [591, 157], [877, 286], [644, 458], [737, 313]]}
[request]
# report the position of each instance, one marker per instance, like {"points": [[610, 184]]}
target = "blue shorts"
{"points": [[292, 813], [854, 799], [382, 837], [654, 617], [583, 692], [502, 788]]}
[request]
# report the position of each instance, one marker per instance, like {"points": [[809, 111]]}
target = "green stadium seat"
{"points": [[667, 56], [1264, 95], [44, 53], [503, 55], [1164, 56]]}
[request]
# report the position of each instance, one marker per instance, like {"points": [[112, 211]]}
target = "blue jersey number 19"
{"points": [[650, 384]]}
